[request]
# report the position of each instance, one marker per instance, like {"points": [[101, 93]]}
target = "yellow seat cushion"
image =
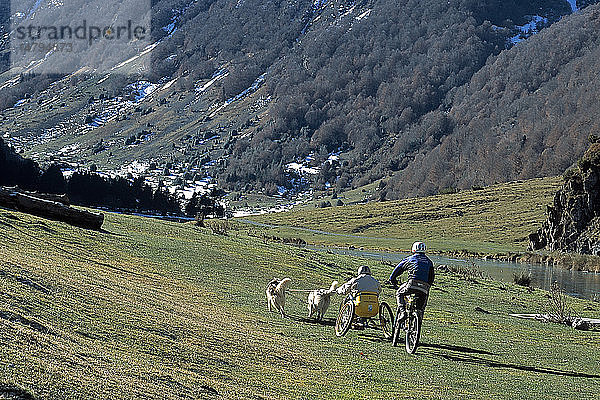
{"points": [[366, 304]]}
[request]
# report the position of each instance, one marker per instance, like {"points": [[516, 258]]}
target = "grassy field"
{"points": [[151, 309], [494, 219]]}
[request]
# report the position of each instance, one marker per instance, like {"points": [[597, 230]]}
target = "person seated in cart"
{"points": [[364, 282], [364, 290]]}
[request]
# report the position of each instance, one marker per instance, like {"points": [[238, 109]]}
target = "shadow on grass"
{"points": [[44, 227], [372, 335], [104, 231], [14, 392], [473, 359], [81, 257], [459, 349], [312, 321]]}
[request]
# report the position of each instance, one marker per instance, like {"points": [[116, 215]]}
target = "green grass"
{"points": [[496, 219], [150, 309]]}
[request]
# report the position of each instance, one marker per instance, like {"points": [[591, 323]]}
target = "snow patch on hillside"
{"points": [[573, 4], [301, 169], [33, 10], [253, 88], [12, 82], [350, 11], [319, 5], [141, 89], [364, 14], [146, 50], [168, 84], [335, 156], [217, 76], [304, 166], [134, 168], [171, 27], [531, 28]]}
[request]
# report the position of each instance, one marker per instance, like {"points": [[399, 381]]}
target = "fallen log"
{"points": [[59, 198], [27, 203]]}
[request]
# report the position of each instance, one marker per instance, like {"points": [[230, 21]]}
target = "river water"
{"points": [[574, 283]]}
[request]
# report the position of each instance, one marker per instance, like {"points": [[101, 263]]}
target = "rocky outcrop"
{"points": [[573, 219]]}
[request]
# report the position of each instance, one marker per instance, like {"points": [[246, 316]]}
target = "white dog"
{"points": [[319, 300], [276, 294]]}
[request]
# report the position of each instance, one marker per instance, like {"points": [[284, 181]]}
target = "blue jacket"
{"points": [[418, 266]]}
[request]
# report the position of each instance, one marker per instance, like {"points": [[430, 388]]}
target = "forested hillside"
{"points": [[281, 97], [358, 84], [88, 188], [527, 113]]}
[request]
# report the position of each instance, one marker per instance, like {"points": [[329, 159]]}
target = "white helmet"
{"points": [[419, 247]]}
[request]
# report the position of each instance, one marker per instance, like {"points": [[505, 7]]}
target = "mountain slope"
{"points": [[491, 220], [528, 113], [283, 96]]}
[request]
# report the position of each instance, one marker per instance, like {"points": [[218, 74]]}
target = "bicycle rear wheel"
{"points": [[413, 331], [397, 329], [344, 319]]}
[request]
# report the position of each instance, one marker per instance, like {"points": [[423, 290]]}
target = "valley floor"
{"points": [[493, 219], [153, 309]]}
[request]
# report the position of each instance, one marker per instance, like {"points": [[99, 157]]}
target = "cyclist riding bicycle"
{"points": [[421, 275]]}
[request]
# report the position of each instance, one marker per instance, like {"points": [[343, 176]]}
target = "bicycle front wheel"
{"points": [[413, 331]]}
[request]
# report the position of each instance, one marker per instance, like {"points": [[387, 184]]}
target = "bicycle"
{"points": [[410, 324]]}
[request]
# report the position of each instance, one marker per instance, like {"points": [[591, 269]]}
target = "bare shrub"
{"points": [[292, 240], [470, 274], [218, 226], [559, 311], [522, 278]]}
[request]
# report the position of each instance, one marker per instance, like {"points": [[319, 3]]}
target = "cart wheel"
{"points": [[386, 320], [344, 319]]}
